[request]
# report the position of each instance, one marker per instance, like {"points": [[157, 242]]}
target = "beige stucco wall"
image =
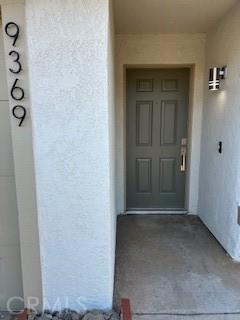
{"points": [[219, 195], [14, 10], [10, 260], [161, 50]]}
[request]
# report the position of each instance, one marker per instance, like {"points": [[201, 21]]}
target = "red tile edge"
{"points": [[22, 316], [126, 310]]}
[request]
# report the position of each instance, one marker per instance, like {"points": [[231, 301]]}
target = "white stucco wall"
{"points": [[14, 10], [161, 50], [10, 259], [72, 105], [112, 122], [220, 174]]}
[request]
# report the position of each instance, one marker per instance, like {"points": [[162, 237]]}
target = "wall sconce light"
{"points": [[215, 75]]}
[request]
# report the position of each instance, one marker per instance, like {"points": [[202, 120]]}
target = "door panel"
{"points": [[157, 109], [167, 176], [144, 175], [144, 123], [168, 122]]}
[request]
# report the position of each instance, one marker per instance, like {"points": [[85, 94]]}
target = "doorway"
{"points": [[157, 126]]}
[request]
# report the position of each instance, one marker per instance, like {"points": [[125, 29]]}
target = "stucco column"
{"points": [[68, 61]]}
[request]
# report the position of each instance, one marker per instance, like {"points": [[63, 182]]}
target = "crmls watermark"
{"points": [[35, 305]]}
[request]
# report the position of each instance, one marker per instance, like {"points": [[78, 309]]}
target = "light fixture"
{"points": [[215, 75]]}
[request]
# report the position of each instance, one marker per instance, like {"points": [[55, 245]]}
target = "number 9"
{"points": [[22, 116], [14, 35]]}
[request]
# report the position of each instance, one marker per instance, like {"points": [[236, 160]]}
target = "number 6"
{"points": [[17, 89]]}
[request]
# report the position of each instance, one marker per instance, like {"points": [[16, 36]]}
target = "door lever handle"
{"points": [[183, 158]]}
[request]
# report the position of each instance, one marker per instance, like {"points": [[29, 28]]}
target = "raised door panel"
{"points": [[169, 85], [168, 122], [144, 112], [144, 175], [144, 85], [167, 177]]}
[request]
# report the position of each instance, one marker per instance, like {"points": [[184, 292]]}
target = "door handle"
{"points": [[183, 158]]}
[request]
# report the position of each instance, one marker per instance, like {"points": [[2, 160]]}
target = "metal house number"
{"points": [[17, 93]]}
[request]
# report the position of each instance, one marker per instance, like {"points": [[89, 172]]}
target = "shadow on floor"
{"points": [[169, 266]]}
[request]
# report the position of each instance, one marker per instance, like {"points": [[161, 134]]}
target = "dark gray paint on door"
{"points": [[157, 112]]}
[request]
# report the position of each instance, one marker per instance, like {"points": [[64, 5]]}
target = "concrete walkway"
{"points": [[172, 268], [4, 315]]}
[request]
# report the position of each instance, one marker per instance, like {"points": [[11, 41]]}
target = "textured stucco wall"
{"points": [[10, 259], [72, 102], [112, 121], [14, 10], [220, 174], [160, 50]]}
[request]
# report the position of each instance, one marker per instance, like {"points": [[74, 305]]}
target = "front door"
{"points": [[157, 113]]}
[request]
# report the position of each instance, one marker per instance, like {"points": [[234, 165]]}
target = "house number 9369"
{"points": [[17, 93]]}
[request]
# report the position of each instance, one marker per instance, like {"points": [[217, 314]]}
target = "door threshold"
{"points": [[156, 211]]}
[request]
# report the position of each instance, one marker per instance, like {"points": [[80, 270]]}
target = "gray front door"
{"points": [[157, 112]]}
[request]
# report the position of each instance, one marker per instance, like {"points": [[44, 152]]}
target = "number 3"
{"points": [[16, 61]]}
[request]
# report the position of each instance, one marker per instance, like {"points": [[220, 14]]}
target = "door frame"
{"points": [[191, 68]]}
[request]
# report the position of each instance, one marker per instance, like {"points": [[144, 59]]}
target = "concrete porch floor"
{"points": [[171, 267]]}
